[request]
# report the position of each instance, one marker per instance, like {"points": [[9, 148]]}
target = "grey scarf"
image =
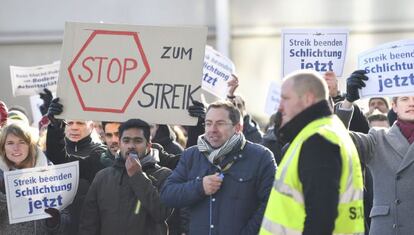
{"points": [[151, 158], [216, 155]]}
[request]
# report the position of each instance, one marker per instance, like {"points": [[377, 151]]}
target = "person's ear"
{"points": [[148, 148], [308, 99]]}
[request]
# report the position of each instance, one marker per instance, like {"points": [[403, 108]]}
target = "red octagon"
{"points": [[135, 80]]}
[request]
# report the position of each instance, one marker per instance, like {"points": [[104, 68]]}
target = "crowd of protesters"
{"points": [[321, 166]]}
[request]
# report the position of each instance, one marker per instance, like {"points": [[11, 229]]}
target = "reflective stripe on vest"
{"points": [[285, 212]]}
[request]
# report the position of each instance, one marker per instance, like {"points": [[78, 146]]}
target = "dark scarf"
{"points": [[407, 129]]}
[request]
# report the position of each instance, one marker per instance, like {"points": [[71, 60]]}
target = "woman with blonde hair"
{"points": [[18, 150]]}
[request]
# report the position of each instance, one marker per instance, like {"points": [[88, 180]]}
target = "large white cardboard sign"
{"points": [[217, 70], [115, 72], [390, 69], [32, 80], [30, 191], [316, 49]]}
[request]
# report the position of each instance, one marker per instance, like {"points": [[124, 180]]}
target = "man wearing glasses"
{"points": [[224, 180]]}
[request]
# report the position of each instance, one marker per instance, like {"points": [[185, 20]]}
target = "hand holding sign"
{"points": [[354, 83], [197, 110], [233, 83], [47, 99], [55, 108], [55, 219]]}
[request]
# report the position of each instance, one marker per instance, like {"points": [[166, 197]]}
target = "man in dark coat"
{"points": [[124, 198], [225, 180]]}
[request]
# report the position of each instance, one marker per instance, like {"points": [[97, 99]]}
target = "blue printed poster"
{"points": [[320, 50], [390, 69], [217, 71], [30, 191]]}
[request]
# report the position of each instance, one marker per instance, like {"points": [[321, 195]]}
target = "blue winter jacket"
{"points": [[238, 206]]}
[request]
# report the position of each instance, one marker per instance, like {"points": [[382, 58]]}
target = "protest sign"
{"points": [[315, 49], [30, 191], [32, 80], [116, 72], [273, 98], [390, 68], [217, 70]]}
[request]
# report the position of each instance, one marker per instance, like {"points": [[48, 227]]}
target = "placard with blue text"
{"points": [[315, 49], [217, 71], [30, 191], [390, 69]]}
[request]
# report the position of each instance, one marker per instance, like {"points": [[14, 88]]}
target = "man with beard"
{"points": [[124, 198]]}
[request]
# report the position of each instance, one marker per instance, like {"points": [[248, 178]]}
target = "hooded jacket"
{"points": [[119, 204]]}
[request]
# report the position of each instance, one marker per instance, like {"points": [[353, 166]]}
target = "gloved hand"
{"points": [[55, 108], [354, 83], [3, 113], [55, 219], [197, 110], [47, 99]]}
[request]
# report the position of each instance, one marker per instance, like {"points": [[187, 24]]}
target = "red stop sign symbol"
{"points": [[110, 65]]}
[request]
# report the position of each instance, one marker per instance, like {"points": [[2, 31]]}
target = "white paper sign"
{"points": [[315, 49], [217, 70], [115, 72], [32, 80], [390, 68], [30, 191], [273, 98]]}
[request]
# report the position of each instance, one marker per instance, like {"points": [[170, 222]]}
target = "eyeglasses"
{"points": [[218, 125]]}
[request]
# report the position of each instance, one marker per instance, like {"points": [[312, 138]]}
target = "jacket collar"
{"points": [[76, 146], [289, 131]]}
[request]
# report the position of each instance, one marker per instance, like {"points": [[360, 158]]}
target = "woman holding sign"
{"points": [[18, 150]]}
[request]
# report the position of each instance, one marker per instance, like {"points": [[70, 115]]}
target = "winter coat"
{"points": [[165, 136], [271, 142], [251, 130], [238, 206], [119, 204], [60, 149], [390, 158]]}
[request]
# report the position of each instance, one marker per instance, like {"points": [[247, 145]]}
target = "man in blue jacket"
{"points": [[224, 180]]}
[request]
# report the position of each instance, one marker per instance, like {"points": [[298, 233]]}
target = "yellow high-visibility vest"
{"points": [[285, 211]]}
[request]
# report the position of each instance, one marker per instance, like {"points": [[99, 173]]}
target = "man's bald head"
{"points": [[310, 82]]}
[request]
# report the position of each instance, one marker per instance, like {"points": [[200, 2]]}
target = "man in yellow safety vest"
{"points": [[318, 187]]}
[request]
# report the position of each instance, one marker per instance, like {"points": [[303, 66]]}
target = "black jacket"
{"points": [[251, 130], [271, 142], [319, 171], [119, 204], [60, 150], [359, 122], [165, 136]]}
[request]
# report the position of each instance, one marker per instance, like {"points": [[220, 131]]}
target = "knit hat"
{"points": [[17, 116]]}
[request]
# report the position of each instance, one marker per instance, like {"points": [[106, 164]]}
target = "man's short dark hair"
{"points": [[234, 113], [135, 123], [104, 123]]}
